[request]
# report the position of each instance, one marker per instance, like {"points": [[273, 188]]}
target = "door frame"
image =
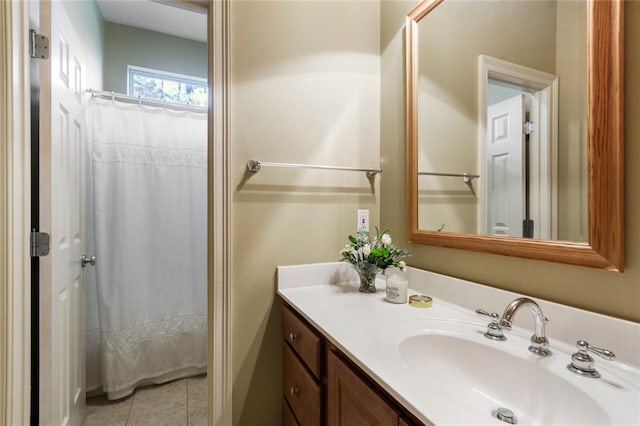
{"points": [[15, 214], [15, 210], [220, 219], [544, 152]]}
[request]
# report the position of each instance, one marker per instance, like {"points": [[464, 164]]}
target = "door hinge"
{"points": [[39, 244], [527, 228], [528, 127], [38, 45]]}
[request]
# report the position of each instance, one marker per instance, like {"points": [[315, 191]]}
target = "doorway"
{"points": [[16, 352], [536, 204], [70, 69]]}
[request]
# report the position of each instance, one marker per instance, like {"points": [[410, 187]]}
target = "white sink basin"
{"points": [[475, 376]]}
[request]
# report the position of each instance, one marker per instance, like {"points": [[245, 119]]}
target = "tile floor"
{"points": [[183, 402]]}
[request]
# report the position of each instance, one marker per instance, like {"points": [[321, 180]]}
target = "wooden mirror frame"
{"points": [[605, 124]]}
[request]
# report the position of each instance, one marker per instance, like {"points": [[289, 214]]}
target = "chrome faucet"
{"points": [[539, 341]]}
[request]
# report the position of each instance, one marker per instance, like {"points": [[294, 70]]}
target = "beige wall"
{"points": [[305, 88], [605, 292], [572, 124]]}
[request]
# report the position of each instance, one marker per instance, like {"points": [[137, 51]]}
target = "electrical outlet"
{"points": [[363, 220]]}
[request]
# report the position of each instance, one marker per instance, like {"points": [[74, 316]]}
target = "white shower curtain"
{"points": [[146, 223]]}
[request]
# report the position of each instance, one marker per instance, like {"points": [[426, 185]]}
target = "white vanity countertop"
{"points": [[327, 296]]}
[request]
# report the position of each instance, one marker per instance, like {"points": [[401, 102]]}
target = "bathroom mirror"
{"points": [[515, 128]]}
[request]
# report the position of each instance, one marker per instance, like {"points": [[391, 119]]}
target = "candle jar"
{"points": [[397, 285]]}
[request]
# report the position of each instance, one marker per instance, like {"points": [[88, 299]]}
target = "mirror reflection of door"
{"points": [[528, 193], [506, 167]]}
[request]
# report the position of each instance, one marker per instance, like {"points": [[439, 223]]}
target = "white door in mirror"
{"points": [[505, 167]]}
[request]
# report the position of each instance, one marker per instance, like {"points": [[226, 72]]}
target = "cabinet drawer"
{"points": [[288, 419], [300, 389], [303, 340]]}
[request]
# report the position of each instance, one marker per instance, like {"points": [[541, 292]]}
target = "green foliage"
{"points": [[170, 91]]}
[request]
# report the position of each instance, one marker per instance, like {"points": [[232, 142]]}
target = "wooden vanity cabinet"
{"points": [[288, 419], [351, 401], [321, 386]]}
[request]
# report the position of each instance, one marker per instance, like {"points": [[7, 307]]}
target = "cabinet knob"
{"points": [[293, 391], [292, 337]]}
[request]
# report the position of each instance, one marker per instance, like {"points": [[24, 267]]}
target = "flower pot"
{"points": [[367, 273]]}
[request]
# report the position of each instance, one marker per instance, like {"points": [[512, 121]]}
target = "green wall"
{"points": [[89, 27], [125, 45]]}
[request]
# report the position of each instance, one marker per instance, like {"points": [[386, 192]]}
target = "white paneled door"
{"points": [[61, 205], [505, 167]]}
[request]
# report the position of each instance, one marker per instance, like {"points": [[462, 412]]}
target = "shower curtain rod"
{"points": [[145, 101]]}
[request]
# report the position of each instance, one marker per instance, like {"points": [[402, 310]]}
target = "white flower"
{"points": [[366, 249], [402, 264], [386, 239]]}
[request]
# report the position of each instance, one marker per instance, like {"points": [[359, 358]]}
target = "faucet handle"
{"points": [[493, 315], [601, 352], [583, 364], [494, 329]]}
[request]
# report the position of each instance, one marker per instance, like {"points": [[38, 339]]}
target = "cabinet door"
{"points": [[351, 401]]}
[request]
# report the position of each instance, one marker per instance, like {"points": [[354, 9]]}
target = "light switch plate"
{"points": [[363, 220]]}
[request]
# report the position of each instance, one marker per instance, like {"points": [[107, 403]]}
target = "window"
{"points": [[166, 86]]}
